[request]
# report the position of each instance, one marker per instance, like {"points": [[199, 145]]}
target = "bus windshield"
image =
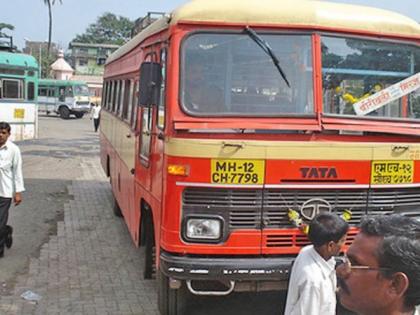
{"points": [[230, 74], [80, 90], [354, 69]]}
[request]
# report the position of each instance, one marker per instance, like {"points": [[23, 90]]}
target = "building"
{"points": [[60, 69], [88, 62], [35, 48], [89, 59]]}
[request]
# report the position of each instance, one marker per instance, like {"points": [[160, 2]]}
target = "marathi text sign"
{"points": [[387, 95]]}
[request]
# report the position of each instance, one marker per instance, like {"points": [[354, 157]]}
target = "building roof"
{"points": [[292, 13], [18, 60], [91, 45], [61, 65]]}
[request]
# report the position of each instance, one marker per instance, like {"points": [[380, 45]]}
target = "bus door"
{"points": [[61, 94], [149, 160], [51, 98]]}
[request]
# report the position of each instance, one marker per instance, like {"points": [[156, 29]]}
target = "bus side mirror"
{"points": [[150, 82]]}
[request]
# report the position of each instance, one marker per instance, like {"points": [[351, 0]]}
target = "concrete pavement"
{"points": [[90, 266]]}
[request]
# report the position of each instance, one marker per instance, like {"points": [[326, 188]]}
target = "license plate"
{"points": [[243, 172], [392, 172]]}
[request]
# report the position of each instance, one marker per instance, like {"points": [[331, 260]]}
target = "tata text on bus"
{"points": [[228, 125]]}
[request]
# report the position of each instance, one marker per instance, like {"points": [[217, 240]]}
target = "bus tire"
{"points": [[171, 301], [79, 115], [116, 209], [64, 112], [149, 246]]}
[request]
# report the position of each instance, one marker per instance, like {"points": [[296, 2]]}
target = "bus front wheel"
{"points": [[171, 301], [64, 112]]}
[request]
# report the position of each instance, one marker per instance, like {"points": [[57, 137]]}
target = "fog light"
{"points": [[204, 228]]}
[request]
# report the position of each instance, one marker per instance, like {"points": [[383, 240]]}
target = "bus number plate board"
{"points": [[242, 172], [392, 172]]}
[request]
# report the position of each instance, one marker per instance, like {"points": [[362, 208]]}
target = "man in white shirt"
{"points": [[312, 284], [95, 114], [11, 183]]}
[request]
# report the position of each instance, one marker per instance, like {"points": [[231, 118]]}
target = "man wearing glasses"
{"points": [[313, 282], [381, 273]]}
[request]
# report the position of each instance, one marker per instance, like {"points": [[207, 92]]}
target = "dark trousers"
{"points": [[4, 216], [96, 123]]}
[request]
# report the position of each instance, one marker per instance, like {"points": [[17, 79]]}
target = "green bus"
{"points": [[18, 93], [63, 97]]}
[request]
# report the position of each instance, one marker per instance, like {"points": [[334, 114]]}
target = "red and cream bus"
{"points": [[222, 117]]}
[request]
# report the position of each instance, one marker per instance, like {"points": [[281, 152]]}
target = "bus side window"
{"points": [[61, 93], [43, 92], [69, 91], [31, 91], [51, 92], [12, 89], [161, 105]]}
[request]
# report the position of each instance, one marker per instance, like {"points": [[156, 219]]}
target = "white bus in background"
{"points": [[64, 98]]}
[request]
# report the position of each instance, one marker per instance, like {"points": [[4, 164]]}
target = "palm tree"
{"points": [[49, 4]]}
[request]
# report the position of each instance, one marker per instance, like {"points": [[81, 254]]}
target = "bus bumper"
{"points": [[222, 268]]}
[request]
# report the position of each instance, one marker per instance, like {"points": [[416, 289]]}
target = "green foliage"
{"points": [[7, 26], [108, 29], [46, 61], [49, 4]]}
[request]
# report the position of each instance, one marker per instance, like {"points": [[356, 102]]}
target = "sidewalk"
{"points": [[91, 266]]}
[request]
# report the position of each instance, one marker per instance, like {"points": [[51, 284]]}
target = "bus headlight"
{"points": [[202, 229]]}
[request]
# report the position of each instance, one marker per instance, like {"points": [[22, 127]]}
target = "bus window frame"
{"points": [[28, 87], [340, 118], [146, 119], [162, 98], [311, 34], [21, 89], [135, 107]]}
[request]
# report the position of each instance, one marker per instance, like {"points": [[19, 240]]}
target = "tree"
{"points": [[49, 4], [9, 27], [108, 29]]}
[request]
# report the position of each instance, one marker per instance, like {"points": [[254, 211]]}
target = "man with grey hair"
{"points": [[381, 273]]}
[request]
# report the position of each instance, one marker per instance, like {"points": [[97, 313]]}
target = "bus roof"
{"points": [[297, 13], [17, 60], [51, 82], [290, 13]]}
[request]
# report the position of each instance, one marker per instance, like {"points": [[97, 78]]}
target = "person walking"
{"points": [[313, 282], [95, 114], [11, 183], [380, 274]]}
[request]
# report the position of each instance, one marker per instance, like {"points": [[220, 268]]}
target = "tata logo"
{"points": [[318, 172], [313, 207]]}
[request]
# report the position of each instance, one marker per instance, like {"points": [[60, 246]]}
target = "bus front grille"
{"points": [[267, 208]]}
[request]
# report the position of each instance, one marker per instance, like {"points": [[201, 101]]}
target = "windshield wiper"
{"points": [[267, 49]]}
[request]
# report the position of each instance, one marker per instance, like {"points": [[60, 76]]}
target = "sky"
{"points": [[30, 17]]}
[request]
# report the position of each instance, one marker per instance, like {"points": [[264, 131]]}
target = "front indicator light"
{"points": [[181, 170], [204, 229]]}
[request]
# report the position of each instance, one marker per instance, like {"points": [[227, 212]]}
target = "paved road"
{"points": [[71, 250]]}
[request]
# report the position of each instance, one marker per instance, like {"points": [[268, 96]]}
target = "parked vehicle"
{"points": [[18, 92], [64, 98]]}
